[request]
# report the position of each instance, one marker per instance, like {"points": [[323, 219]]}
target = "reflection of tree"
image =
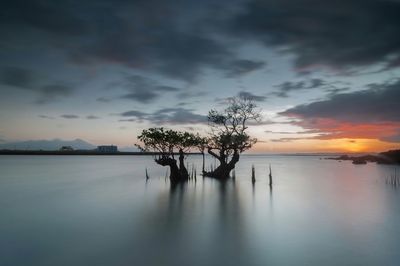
{"points": [[230, 227], [190, 226]]}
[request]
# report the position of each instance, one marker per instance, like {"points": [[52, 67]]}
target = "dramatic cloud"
{"points": [[242, 94], [46, 117], [158, 36], [50, 93], [338, 34], [59, 18], [287, 139], [68, 116], [177, 116], [141, 55], [134, 113], [287, 132], [179, 39], [144, 90], [372, 113], [25, 79], [103, 100], [249, 95], [92, 117], [286, 87], [16, 77], [241, 67], [190, 95], [174, 116]]}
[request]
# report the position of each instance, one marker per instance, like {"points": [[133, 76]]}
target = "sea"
{"points": [[102, 210]]}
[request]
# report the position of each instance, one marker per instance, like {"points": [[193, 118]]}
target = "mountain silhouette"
{"points": [[54, 144]]}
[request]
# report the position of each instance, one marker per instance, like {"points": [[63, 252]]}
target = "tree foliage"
{"points": [[165, 142], [227, 139], [228, 127]]}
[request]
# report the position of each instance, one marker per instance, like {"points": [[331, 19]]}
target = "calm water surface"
{"points": [[94, 210]]}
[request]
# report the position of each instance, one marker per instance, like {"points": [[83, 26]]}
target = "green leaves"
{"points": [[228, 134], [168, 141]]}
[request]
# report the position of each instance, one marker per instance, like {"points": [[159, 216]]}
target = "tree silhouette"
{"points": [[167, 143], [228, 137], [226, 141]]}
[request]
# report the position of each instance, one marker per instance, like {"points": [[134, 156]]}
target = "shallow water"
{"points": [[95, 210]]}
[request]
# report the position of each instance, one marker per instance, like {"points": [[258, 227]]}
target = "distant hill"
{"points": [[48, 145]]}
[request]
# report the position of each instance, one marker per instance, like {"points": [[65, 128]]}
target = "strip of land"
{"points": [[387, 157], [74, 152]]}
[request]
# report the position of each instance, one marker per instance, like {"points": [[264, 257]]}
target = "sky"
{"points": [[325, 74]]}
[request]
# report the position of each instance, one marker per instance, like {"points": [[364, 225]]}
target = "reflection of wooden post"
{"points": [[204, 161], [270, 176], [253, 174], [147, 175]]}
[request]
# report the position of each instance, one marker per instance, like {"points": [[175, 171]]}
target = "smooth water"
{"points": [[95, 210]]}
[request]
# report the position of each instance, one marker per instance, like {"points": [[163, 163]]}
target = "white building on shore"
{"points": [[107, 148]]}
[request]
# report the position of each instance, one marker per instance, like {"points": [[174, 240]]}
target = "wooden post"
{"points": [[270, 176], [253, 174]]}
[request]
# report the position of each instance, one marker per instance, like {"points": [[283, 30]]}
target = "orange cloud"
{"points": [[333, 129]]}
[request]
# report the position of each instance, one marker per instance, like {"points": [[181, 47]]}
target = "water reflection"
{"points": [[101, 211], [196, 226]]}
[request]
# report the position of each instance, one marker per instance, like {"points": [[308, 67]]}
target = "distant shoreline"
{"points": [[77, 152], [138, 153]]}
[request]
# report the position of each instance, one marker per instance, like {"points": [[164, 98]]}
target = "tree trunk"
{"points": [[175, 173], [224, 169], [182, 168]]}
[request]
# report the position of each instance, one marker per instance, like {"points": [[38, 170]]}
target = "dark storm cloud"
{"points": [[334, 91], [143, 89], [46, 117], [140, 96], [134, 113], [286, 87], [286, 132], [177, 116], [377, 104], [16, 77], [51, 93], [338, 34], [173, 116], [242, 67], [174, 38], [371, 113], [25, 79], [69, 116], [55, 17], [103, 100], [166, 89], [249, 95], [287, 139], [92, 117], [241, 94], [187, 94]]}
